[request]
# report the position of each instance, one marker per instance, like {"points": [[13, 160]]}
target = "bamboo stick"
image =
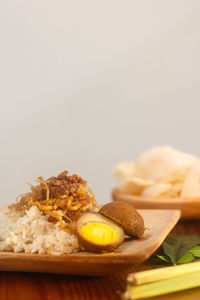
{"points": [[161, 287], [162, 273]]}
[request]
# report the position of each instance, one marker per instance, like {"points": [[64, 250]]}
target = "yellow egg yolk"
{"points": [[99, 233]]}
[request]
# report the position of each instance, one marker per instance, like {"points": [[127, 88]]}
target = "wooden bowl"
{"points": [[158, 223], [190, 208]]}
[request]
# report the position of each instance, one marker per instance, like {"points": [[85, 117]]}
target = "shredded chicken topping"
{"points": [[63, 198]]}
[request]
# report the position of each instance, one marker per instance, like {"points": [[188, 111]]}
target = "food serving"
{"points": [[98, 234], [126, 216], [60, 215], [160, 173]]}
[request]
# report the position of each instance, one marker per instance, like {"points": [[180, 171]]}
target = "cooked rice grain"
{"points": [[32, 233]]}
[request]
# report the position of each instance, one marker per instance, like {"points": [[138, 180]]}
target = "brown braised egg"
{"points": [[126, 216], [97, 233]]}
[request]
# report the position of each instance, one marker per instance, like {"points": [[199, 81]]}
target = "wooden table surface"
{"points": [[34, 286]]}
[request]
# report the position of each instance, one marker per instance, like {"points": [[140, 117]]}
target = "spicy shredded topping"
{"points": [[63, 198]]}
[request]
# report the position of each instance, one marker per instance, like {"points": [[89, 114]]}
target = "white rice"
{"points": [[32, 233]]}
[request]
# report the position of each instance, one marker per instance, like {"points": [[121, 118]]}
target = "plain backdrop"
{"points": [[86, 84]]}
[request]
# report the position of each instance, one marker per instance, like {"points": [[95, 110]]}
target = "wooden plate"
{"points": [[190, 208], [158, 223]]}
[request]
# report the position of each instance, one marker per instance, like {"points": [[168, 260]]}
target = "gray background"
{"points": [[85, 84]]}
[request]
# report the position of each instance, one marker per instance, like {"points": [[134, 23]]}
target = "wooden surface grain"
{"points": [[35, 286], [131, 252], [190, 208]]}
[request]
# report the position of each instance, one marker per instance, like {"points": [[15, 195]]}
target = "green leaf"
{"points": [[164, 258], [195, 250], [176, 247], [187, 258]]}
